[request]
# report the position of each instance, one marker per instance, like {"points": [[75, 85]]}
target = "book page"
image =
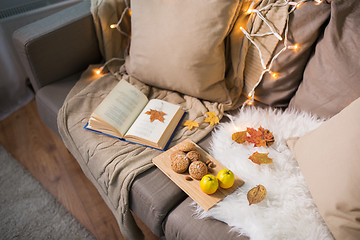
{"points": [[121, 106], [152, 131]]}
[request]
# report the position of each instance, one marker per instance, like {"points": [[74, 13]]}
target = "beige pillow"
{"points": [[331, 77], [305, 26], [179, 45], [329, 158]]}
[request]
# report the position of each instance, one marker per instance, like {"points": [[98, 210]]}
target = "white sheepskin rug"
{"points": [[288, 210]]}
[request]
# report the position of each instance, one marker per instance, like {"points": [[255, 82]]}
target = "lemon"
{"points": [[226, 178], [209, 184]]}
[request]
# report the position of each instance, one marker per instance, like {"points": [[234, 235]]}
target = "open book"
{"points": [[127, 114]]}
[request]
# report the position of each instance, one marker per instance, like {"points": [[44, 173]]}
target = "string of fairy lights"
{"points": [[252, 10], [295, 47]]}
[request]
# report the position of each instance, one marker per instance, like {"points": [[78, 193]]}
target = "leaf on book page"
{"points": [[256, 194], [191, 124], [260, 158], [239, 137], [212, 118], [156, 115]]}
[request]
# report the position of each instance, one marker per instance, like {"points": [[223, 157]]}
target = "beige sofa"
{"points": [[322, 78]]}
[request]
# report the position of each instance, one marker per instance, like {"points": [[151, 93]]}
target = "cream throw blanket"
{"points": [[110, 164]]}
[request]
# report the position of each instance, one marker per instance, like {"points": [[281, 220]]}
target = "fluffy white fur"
{"points": [[288, 211]]}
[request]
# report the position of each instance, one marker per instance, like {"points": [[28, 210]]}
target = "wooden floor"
{"points": [[42, 152]]}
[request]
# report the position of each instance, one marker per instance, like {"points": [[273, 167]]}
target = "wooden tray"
{"points": [[192, 188]]}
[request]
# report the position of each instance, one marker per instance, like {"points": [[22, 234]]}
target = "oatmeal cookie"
{"points": [[186, 146], [194, 156], [197, 170], [179, 161]]}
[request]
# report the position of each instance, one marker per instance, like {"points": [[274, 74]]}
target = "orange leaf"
{"points": [[239, 137], [191, 124], [212, 118], [260, 137], [260, 158], [156, 115], [256, 194]]}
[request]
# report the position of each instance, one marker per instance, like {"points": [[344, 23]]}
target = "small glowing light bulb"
{"points": [[298, 5], [250, 102], [249, 11], [294, 47], [274, 75], [317, 2], [113, 26], [99, 70], [130, 12]]}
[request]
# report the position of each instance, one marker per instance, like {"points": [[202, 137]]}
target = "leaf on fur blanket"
{"points": [[260, 158], [239, 137], [256, 194], [260, 137]]}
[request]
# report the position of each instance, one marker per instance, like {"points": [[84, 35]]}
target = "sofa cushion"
{"points": [[179, 45], [181, 224], [152, 196], [305, 26], [331, 78], [50, 98], [329, 159]]}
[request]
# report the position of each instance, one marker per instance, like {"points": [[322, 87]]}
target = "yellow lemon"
{"points": [[226, 178], [209, 184]]}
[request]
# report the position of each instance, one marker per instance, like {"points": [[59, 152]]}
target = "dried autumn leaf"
{"points": [[256, 194], [156, 115], [191, 124], [260, 137], [260, 158], [239, 137], [212, 118], [267, 136]]}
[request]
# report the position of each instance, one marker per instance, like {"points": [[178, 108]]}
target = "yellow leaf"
{"points": [[260, 158], [239, 137], [212, 118], [256, 194], [191, 124]]}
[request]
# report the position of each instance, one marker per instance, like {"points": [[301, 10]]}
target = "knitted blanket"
{"points": [[111, 164]]}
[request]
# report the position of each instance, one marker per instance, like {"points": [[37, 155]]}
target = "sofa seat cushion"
{"points": [[50, 98], [181, 224], [152, 196]]}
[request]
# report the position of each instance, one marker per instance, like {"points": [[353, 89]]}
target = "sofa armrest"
{"points": [[59, 45]]}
